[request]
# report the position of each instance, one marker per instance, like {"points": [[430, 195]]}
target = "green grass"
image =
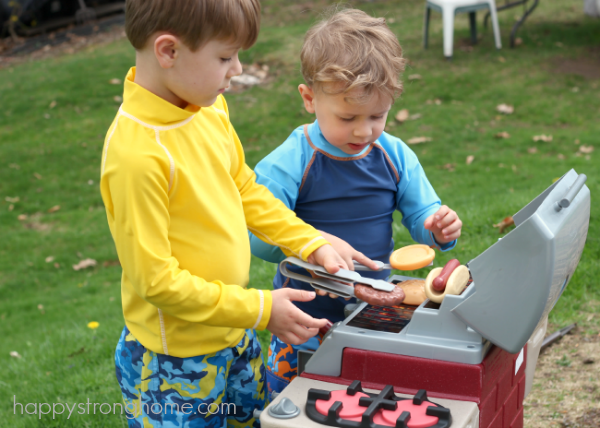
{"points": [[49, 155]]}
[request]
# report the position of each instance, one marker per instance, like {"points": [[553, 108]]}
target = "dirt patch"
{"points": [[62, 42], [587, 66], [566, 387]]}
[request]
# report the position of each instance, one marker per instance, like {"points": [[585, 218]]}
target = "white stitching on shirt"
{"points": [[309, 244], [258, 232], [172, 162], [108, 142], [262, 307], [163, 335], [157, 128]]}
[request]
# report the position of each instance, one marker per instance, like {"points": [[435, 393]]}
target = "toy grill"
{"points": [[474, 353]]}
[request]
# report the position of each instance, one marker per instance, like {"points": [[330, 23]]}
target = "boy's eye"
{"points": [[378, 117], [226, 59], [347, 119]]}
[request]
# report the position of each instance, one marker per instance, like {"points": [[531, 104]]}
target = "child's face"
{"points": [[199, 77], [349, 126]]}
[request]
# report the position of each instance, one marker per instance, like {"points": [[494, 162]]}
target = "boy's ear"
{"points": [[308, 96], [166, 47]]}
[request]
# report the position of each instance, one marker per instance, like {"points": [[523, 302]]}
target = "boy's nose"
{"points": [[362, 131], [236, 67]]}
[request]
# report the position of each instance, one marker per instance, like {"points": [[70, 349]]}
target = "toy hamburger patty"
{"points": [[379, 298]]}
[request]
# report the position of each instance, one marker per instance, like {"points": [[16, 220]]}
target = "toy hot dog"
{"points": [[439, 283], [456, 279]]}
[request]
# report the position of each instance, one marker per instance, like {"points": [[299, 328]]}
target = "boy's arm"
{"points": [[416, 199], [280, 172], [136, 195]]}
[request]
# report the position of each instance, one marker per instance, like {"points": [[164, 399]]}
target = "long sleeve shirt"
{"points": [[350, 196], [179, 200]]}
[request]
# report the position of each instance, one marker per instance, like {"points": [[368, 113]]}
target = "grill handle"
{"points": [[571, 193]]}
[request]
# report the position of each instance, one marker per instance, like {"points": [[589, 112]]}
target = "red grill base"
{"points": [[493, 384]]}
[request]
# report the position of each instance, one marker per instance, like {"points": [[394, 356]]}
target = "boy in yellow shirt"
{"points": [[179, 200]]}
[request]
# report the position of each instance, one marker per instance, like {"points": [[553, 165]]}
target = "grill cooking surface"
{"points": [[382, 318]]}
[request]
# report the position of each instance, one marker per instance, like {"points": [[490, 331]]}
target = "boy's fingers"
{"points": [[304, 333], [306, 320], [321, 292], [364, 260], [300, 295], [428, 222]]}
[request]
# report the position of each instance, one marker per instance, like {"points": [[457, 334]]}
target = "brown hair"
{"points": [[355, 49], [194, 21]]}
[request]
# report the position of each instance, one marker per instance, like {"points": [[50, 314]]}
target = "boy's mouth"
{"points": [[357, 147]]}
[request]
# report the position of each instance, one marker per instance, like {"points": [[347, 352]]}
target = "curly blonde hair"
{"points": [[356, 50]]}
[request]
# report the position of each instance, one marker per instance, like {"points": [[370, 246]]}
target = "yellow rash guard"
{"points": [[179, 199]]}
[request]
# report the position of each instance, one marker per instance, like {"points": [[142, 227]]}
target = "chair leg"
{"points": [[495, 26], [448, 19], [426, 27], [473, 23]]}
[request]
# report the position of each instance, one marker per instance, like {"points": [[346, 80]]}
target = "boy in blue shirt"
{"points": [[342, 174]]}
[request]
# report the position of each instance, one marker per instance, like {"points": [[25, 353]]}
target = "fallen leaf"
{"points": [[46, 116], [586, 149], [507, 222], [12, 200], [402, 115], [90, 182], [54, 209], [93, 325], [501, 59], [15, 354], [11, 207], [118, 99], [14, 166], [49, 259], [115, 81], [419, 140], [415, 116], [437, 101], [518, 41], [575, 89], [57, 265], [449, 167], [52, 104], [108, 263], [85, 263], [36, 175], [470, 159], [41, 308], [80, 351], [22, 217], [576, 142], [505, 109], [414, 77], [560, 156], [532, 150], [542, 137], [502, 134], [514, 168], [559, 44]]}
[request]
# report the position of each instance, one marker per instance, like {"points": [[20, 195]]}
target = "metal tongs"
{"points": [[340, 283]]}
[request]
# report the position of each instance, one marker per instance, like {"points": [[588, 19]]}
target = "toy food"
{"points": [[439, 283], [455, 285], [414, 291], [374, 297], [412, 257]]}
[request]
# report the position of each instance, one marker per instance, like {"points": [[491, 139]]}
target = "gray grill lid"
{"points": [[518, 280]]}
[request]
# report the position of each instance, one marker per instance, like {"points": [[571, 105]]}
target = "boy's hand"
{"points": [[289, 323], [444, 224], [348, 253], [327, 257]]}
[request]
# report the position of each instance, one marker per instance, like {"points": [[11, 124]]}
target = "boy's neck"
{"points": [[150, 76]]}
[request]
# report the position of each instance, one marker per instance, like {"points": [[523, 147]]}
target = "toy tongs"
{"points": [[340, 283]]}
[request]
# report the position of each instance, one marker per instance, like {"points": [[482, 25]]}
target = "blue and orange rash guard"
{"points": [[179, 201], [350, 196]]}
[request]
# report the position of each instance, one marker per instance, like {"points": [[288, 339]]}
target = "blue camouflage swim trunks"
{"points": [[214, 390]]}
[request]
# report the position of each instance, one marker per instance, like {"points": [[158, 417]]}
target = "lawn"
{"points": [[55, 113]]}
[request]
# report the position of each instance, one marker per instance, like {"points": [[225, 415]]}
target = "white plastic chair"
{"points": [[449, 8]]}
